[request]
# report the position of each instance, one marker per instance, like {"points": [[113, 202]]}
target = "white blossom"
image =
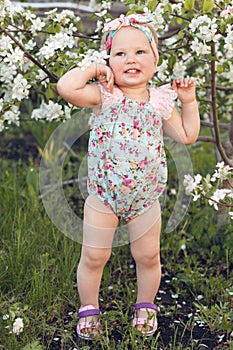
{"points": [[30, 45], [218, 195], [229, 41], [18, 325], [15, 58], [5, 45], [20, 88], [1, 104], [191, 183], [12, 116], [41, 76], [1, 125], [7, 7], [37, 25], [162, 70], [221, 172], [93, 56], [227, 12], [29, 16], [199, 48], [158, 20], [59, 41], [49, 112], [179, 70]]}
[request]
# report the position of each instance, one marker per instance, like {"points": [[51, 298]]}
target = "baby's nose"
{"points": [[131, 57]]}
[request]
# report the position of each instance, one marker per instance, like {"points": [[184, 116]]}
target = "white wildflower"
{"points": [[5, 317], [18, 325]]}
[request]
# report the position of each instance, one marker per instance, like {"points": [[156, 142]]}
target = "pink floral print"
{"points": [[126, 159]]}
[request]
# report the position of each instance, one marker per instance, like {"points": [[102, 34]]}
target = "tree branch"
{"points": [[224, 126], [231, 129], [206, 139], [52, 77], [228, 205], [214, 108]]}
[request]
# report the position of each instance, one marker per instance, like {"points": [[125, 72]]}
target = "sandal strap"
{"points": [[84, 325], [142, 321], [146, 306], [88, 310]]}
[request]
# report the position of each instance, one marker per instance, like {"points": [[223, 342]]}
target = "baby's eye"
{"points": [[139, 52], [120, 53]]}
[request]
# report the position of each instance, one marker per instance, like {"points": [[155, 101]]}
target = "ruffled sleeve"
{"points": [[108, 98], [162, 98]]}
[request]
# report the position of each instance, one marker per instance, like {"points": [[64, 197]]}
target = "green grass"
{"points": [[38, 277]]}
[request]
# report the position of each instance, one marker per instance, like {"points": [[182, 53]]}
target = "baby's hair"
{"points": [[149, 25]]}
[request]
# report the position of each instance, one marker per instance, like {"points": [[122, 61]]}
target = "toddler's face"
{"points": [[131, 58]]}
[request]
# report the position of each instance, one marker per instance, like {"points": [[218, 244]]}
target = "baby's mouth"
{"points": [[132, 71]]}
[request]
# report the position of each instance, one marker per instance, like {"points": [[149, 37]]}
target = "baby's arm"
{"points": [[73, 86], [184, 128]]}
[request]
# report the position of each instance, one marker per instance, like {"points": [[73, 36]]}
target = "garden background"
{"points": [[38, 258]]}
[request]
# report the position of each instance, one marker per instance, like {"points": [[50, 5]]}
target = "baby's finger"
{"points": [[184, 82], [110, 81]]}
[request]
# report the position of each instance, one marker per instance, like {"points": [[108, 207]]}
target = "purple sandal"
{"points": [[85, 311], [146, 322]]}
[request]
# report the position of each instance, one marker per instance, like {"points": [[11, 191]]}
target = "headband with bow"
{"points": [[138, 21]]}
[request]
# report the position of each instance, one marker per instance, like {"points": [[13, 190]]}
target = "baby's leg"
{"points": [[99, 226], [145, 247]]}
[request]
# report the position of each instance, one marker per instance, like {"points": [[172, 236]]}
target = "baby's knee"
{"points": [[96, 258], [147, 257]]}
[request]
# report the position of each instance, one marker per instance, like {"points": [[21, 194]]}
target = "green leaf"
{"points": [[168, 8], [220, 69], [152, 5], [208, 5], [189, 4], [33, 346], [172, 61], [181, 34]]}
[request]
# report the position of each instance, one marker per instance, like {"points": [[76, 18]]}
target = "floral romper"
{"points": [[127, 166]]}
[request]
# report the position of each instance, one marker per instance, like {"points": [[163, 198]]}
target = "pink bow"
{"points": [[124, 21]]}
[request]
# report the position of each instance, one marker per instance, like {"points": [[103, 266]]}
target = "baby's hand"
{"points": [[105, 76], [185, 89]]}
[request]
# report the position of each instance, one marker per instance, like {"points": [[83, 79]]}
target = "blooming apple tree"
{"points": [[195, 38]]}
